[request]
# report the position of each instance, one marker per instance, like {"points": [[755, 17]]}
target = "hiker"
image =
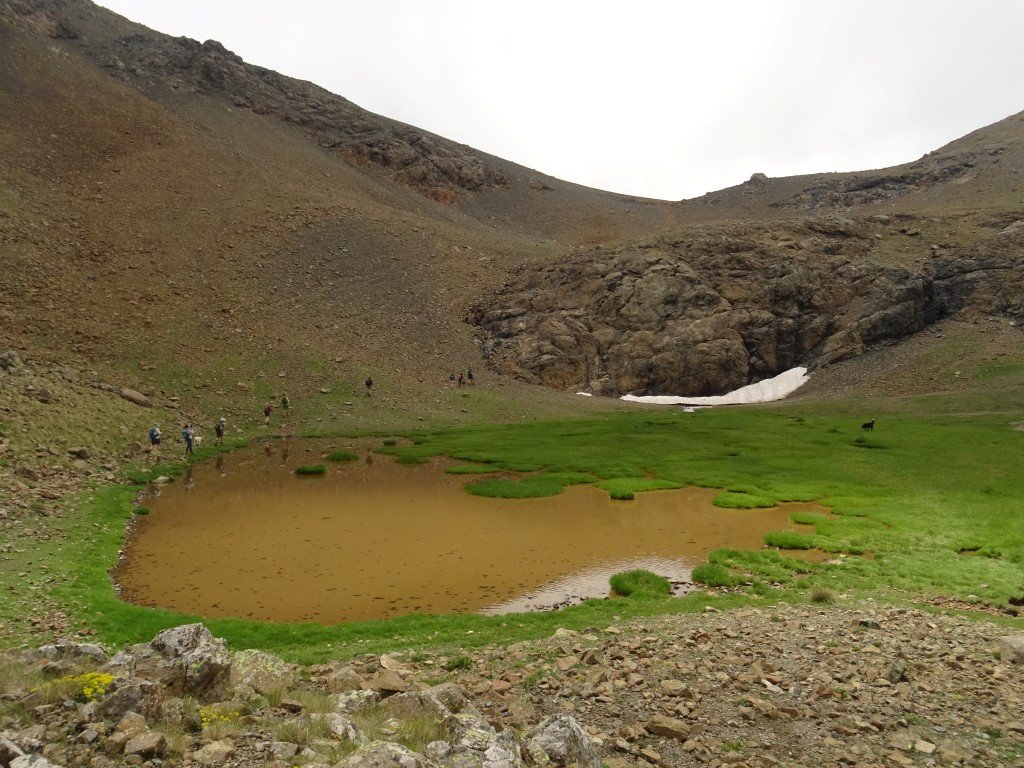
{"points": [[451, 380], [469, 375], [369, 385], [154, 435], [285, 402], [219, 429], [188, 436], [266, 413], [461, 379]]}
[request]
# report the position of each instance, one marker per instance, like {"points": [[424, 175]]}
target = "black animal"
{"points": [[868, 424]]}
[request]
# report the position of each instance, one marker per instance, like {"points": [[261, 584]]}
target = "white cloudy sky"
{"points": [[663, 99]]}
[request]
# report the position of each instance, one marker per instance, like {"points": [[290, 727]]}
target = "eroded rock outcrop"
{"points": [[718, 308]]}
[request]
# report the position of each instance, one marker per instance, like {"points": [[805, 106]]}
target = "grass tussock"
{"points": [[788, 540], [302, 730], [640, 583], [310, 469], [742, 500], [713, 575], [822, 595]]}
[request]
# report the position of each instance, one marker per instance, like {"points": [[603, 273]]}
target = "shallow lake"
{"points": [[242, 535]]}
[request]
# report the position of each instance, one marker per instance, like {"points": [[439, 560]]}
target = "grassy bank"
{"points": [[933, 501]]}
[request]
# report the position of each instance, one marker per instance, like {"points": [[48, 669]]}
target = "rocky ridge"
{"points": [[861, 686], [722, 306]]}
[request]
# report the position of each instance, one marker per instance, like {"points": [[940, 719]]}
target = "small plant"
{"points": [[732, 746], [620, 495], [640, 582], [342, 456], [458, 662], [89, 686], [311, 469], [303, 730], [390, 442], [218, 722], [141, 510], [714, 575], [822, 595], [742, 500]]}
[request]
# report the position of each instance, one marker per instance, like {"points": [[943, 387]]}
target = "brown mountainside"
{"points": [[169, 211]]}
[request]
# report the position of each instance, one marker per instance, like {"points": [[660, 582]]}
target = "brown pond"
{"points": [[243, 536]]}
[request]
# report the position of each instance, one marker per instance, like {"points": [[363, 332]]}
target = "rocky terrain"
{"points": [[716, 308], [781, 686]]}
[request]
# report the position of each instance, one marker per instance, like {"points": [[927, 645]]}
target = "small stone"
{"points": [[146, 745]]}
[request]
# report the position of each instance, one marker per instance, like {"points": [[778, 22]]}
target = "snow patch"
{"points": [[765, 391]]}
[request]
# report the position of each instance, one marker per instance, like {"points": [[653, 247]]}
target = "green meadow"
{"points": [[928, 504]]}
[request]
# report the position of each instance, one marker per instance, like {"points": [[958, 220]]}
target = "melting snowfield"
{"points": [[762, 392]]}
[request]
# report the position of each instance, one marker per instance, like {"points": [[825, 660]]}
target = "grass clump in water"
{"points": [[788, 540], [640, 582], [545, 484], [714, 575], [342, 456], [742, 500], [311, 469], [470, 469], [626, 488]]}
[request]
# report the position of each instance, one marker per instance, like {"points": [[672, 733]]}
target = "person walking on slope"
{"points": [[154, 435], [266, 413], [285, 402], [369, 385], [462, 379], [469, 375], [219, 429], [187, 434]]}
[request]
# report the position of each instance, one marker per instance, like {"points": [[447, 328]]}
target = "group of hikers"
{"points": [[461, 378], [188, 434]]}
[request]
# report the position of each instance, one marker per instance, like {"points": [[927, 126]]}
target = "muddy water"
{"points": [[243, 536]]}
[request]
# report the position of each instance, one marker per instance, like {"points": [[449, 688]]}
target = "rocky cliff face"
{"points": [[721, 307]]}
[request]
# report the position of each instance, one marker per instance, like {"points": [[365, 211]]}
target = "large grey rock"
{"points": [[505, 752], [263, 672], [214, 753], [414, 704], [69, 649], [8, 751], [134, 396], [146, 745], [133, 695], [342, 728], [563, 742], [201, 658], [32, 761], [1011, 648], [384, 754], [10, 362], [469, 732], [350, 702]]}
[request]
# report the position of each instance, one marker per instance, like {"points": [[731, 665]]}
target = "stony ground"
{"points": [[856, 686]]}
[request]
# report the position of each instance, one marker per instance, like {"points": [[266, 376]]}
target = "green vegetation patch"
{"points": [[626, 488], [807, 518], [471, 469], [311, 469], [533, 486], [640, 582], [714, 575], [788, 540], [733, 500]]}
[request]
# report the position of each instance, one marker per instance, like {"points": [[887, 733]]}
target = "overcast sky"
{"points": [[662, 99]]}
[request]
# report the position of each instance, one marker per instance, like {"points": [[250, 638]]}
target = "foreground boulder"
{"points": [[186, 659], [384, 754], [563, 742], [260, 671]]}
